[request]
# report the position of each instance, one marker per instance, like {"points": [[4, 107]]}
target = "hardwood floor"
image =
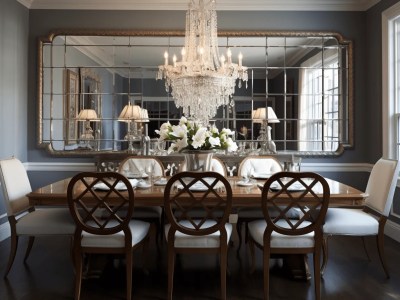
{"points": [[48, 274]]}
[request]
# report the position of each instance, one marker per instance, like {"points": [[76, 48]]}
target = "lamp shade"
{"points": [[88, 115], [144, 115], [264, 113], [130, 112]]}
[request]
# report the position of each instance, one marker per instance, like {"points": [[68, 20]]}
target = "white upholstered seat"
{"points": [[23, 218], [257, 229], [370, 221], [206, 241], [139, 230], [255, 165]]}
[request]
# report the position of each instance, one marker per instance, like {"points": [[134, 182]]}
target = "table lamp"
{"points": [[130, 114], [265, 115], [87, 116]]}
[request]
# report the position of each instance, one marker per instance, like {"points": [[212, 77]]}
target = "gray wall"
{"points": [[14, 28]]}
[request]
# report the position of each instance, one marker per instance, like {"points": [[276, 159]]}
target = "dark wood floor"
{"points": [[349, 275]]}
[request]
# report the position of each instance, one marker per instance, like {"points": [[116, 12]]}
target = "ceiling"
{"points": [[267, 5]]}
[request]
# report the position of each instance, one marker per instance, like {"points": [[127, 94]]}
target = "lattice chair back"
{"points": [[101, 203], [197, 203], [306, 192]]}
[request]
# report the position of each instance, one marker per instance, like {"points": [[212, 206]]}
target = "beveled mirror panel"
{"points": [[305, 76]]}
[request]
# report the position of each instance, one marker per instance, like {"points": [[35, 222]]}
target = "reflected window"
{"points": [[390, 84], [319, 103]]}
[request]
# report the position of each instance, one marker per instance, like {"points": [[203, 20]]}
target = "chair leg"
{"points": [[129, 268], [324, 254], [171, 266], [252, 256], [239, 232], [365, 248], [13, 251], [246, 232], [78, 273], [223, 267], [145, 254], [266, 272], [317, 277], [381, 250], [29, 248]]}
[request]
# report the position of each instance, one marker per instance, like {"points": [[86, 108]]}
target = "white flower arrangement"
{"points": [[190, 135]]}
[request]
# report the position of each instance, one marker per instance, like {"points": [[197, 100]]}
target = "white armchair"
{"points": [[369, 221], [24, 219]]}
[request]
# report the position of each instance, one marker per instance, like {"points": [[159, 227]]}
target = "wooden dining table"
{"points": [[55, 194]]}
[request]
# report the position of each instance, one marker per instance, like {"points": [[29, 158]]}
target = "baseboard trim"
{"points": [[392, 230]]}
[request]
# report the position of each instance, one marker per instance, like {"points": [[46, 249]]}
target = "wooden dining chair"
{"points": [[136, 166], [279, 233], [23, 218], [102, 206], [371, 219], [209, 232], [250, 166]]}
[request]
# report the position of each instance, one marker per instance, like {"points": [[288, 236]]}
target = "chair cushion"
{"points": [[257, 228], [138, 228], [348, 221], [46, 221], [207, 241]]}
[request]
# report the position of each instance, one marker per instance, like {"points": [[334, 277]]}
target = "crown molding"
{"points": [[249, 5], [26, 3]]}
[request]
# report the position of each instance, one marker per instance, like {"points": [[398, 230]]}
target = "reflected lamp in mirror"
{"points": [[131, 114], [144, 116], [265, 115], [87, 116]]}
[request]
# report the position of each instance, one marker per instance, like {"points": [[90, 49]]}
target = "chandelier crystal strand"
{"points": [[203, 80]]}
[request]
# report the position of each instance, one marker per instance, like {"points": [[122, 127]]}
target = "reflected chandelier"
{"points": [[203, 80]]}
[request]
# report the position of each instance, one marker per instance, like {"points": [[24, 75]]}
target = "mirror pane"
{"points": [[304, 77]]}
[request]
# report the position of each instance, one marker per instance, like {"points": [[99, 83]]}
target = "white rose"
{"points": [[226, 131], [214, 130], [179, 131], [172, 148], [182, 121], [214, 142], [232, 146], [199, 138], [181, 144]]}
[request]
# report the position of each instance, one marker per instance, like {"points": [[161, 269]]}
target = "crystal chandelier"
{"points": [[203, 80]]}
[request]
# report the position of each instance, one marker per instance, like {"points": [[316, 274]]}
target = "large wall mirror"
{"points": [[87, 78]]}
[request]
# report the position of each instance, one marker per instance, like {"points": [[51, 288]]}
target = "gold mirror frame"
{"points": [[340, 40]]}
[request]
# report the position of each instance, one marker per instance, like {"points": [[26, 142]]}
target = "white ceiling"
{"points": [[306, 5]]}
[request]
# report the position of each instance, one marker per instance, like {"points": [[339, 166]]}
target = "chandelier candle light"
{"points": [[203, 80]]}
